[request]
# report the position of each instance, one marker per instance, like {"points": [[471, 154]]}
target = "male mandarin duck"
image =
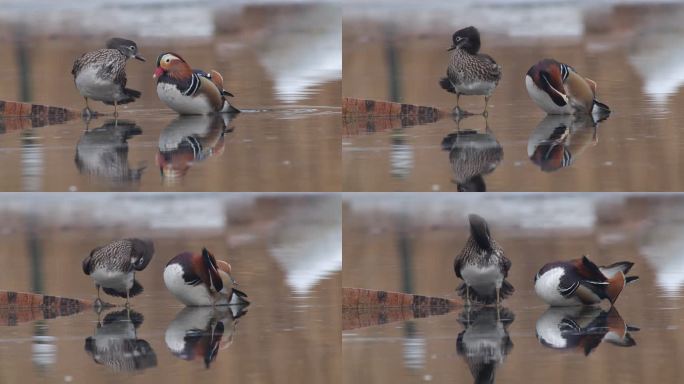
{"points": [[101, 74], [558, 89], [201, 280], [470, 72], [581, 282], [188, 91]]}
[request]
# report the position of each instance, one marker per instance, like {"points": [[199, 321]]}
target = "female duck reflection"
{"points": [[583, 328], [472, 155], [558, 139], [115, 343], [103, 152], [201, 332], [484, 343], [189, 140]]}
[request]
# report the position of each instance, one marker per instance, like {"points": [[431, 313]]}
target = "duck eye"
{"points": [[167, 60], [132, 47]]}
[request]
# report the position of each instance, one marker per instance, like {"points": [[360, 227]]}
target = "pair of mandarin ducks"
{"points": [[483, 267], [101, 75], [555, 87], [196, 279]]}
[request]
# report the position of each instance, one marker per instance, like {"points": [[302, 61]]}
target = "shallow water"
{"points": [[399, 54], [414, 239], [284, 71], [291, 329]]}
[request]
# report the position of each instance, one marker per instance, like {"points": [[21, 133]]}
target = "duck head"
{"points": [[467, 39], [127, 47], [172, 64]]}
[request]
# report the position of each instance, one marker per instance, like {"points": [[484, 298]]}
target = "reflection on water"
{"points": [[282, 62], [583, 328], [533, 229], [115, 343], [189, 140], [201, 332], [103, 152], [619, 55], [472, 155], [484, 343], [287, 332], [559, 139]]}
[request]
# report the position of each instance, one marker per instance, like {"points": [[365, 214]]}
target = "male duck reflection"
{"points": [[558, 89], [581, 282], [472, 155], [113, 266], [482, 266], [188, 91], [201, 280], [103, 152], [484, 343], [115, 343], [583, 328], [189, 140], [201, 332], [558, 140]]}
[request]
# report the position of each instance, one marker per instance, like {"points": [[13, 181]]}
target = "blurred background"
{"points": [[407, 242], [396, 50], [285, 251], [281, 59]]}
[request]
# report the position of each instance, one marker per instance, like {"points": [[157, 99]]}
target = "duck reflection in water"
{"points": [[103, 152], [583, 328], [201, 332], [472, 155], [485, 342], [115, 343], [559, 139], [188, 140]]}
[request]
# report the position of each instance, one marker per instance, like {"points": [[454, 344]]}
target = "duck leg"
{"points": [[457, 111], [468, 295], [128, 296], [98, 301], [87, 112], [485, 113], [115, 112]]}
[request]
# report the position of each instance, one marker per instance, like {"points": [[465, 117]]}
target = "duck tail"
{"points": [[228, 108], [130, 96], [600, 109], [238, 298], [135, 290], [486, 299], [446, 85]]}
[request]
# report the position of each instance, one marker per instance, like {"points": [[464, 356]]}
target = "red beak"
{"points": [[158, 72]]}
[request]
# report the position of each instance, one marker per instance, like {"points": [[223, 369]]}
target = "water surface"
{"points": [[286, 258], [413, 240], [398, 53], [281, 61]]}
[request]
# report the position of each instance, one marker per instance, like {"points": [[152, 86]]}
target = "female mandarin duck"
{"points": [[470, 72], [188, 91], [201, 280], [581, 282], [558, 89], [101, 74]]}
